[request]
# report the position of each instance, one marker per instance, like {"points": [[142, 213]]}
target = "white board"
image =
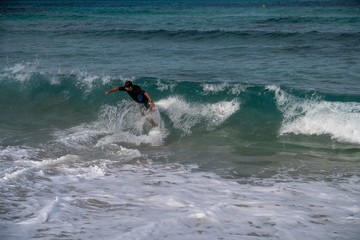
{"points": [[152, 119]]}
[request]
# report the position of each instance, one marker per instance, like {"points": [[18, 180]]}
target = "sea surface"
{"points": [[260, 120]]}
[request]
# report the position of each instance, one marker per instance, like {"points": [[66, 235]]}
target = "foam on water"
{"points": [[199, 206], [340, 120], [20, 156], [25, 168], [87, 80], [185, 115], [234, 89], [20, 71], [114, 124], [154, 137], [23, 72], [15, 153]]}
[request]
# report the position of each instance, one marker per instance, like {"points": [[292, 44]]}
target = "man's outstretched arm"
{"points": [[112, 90]]}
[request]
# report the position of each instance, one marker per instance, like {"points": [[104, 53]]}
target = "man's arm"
{"points": [[112, 90], [152, 105]]}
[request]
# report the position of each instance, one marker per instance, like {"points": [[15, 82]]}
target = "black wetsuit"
{"points": [[137, 94]]}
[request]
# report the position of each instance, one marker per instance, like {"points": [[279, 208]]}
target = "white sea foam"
{"points": [[121, 123], [165, 86], [340, 120], [207, 87], [185, 115], [14, 153], [20, 156], [125, 123], [22, 71], [235, 89], [13, 173], [16, 68], [46, 214], [88, 81], [128, 153], [154, 137], [148, 201], [85, 80], [24, 169]]}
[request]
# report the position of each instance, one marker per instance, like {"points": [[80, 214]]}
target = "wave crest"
{"points": [[340, 120]]}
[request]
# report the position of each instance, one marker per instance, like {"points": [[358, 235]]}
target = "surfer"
{"points": [[136, 93]]}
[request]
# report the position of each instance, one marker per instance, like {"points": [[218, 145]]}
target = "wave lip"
{"points": [[340, 120], [185, 115]]}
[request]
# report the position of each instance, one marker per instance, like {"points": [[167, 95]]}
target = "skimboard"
{"points": [[152, 118]]}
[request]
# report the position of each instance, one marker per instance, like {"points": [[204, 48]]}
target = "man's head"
{"points": [[128, 86]]}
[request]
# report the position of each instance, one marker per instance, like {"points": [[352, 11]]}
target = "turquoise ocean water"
{"points": [[260, 120]]}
